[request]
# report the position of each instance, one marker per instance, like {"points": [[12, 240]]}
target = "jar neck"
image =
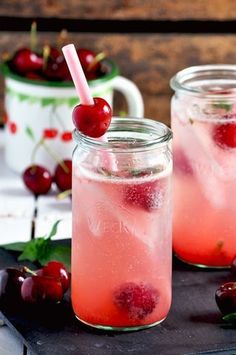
{"points": [[129, 135], [210, 81]]}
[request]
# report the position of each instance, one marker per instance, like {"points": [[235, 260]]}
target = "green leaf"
{"points": [[53, 230], [57, 252], [230, 318], [30, 133], [14, 246], [33, 249], [223, 105]]}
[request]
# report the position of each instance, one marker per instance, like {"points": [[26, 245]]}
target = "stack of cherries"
{"points": [[39, 180], [52, 65], [47, 285]]}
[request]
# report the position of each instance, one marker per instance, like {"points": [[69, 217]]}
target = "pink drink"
{"points": [[121, 259], [204, 127]]}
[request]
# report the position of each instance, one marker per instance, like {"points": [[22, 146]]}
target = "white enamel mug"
{"points": [[37, 110]]}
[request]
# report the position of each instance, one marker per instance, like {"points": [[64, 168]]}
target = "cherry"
{"points": [[55, 53], [57, 69], [50, 133], [88, 58], [11, 280], [41, 289], [33, 76], [12, 127], [225, 297], [58, 271], [181, 163], [138, 300], [146, 195], [25, 60], [37, 179], [92, 120], [63, 176], [225, 134], [66, 136]]}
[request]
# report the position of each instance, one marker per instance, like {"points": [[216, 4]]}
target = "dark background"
{"points": [[149, 39]]}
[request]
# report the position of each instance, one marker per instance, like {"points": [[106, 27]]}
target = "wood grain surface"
{"points": [[150, 60], [122, 9]]}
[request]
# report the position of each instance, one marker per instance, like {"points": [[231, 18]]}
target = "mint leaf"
{"points": [[33, 249], [53, 230], [223, 105], [14, 246], [42, 249], [230, 318]]}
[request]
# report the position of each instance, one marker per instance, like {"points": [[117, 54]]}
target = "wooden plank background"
{"points": [[150, 59], [121, 9]]}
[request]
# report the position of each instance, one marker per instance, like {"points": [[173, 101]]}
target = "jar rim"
{"points": [[157, 132], [180, 81]]}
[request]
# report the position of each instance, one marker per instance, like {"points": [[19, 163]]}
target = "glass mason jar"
{"points": [[121, 244], [203, 114]]}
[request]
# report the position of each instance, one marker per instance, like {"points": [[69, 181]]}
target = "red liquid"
{"points": [[114, 243], [204, 230]]}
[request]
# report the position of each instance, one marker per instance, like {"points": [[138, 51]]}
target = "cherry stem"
{"points": [[52, 153], [99, 57], [33, 37], [29, 271], [62, 38], [46, 54], [55, 156], [62, 195]]}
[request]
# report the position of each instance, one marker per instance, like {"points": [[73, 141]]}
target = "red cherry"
{"points": [[55, 53], [138, 300], [66, 136], [226, 297], [181, 163], [33, 76], [93, 120], [87, 57], [57, 70], [11, 280], [41, 289], [50, 133], [58, 271], [225, 134], [62, 176], [146, 195], [12, 127], [37, 179], [25, 60]]}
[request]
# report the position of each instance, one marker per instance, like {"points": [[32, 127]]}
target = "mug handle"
{"points": [[132, 95]]}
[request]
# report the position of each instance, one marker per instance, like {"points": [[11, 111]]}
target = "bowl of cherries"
{"points": [[39, 99]]}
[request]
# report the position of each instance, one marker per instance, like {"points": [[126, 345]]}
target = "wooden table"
{"points": [[19, 211]]}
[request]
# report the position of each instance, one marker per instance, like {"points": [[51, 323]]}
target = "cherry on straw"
{"points": [[77, 74]]}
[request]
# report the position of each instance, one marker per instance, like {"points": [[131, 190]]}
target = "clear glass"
{"points": [[203, 114], [121, 245]]}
